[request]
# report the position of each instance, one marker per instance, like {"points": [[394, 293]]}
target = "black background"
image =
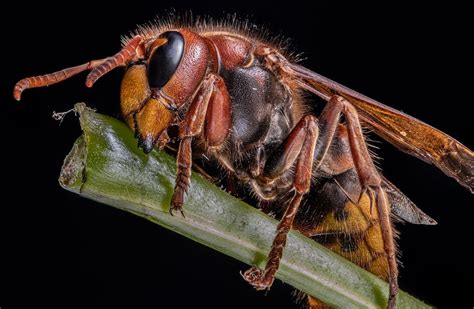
{"points": [[60, 250]]}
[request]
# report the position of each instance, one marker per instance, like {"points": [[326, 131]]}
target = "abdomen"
{"points": [[349, 227]]}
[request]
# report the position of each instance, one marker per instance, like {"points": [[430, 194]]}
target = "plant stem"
{"points": [[105, 165]]}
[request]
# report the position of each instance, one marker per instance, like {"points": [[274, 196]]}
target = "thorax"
{"points": [[262, 104]]}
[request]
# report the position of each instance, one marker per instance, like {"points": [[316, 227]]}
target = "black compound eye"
{"points": [[165, 59]]}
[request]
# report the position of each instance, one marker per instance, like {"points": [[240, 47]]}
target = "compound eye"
{"points": [[164, 59]]}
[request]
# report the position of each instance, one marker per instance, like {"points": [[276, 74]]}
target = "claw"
{"points": [[362, 192], [176, 207], [372, 198], [258, 279], [371, 193]]}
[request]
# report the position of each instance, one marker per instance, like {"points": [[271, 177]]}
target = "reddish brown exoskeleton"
{"points": [[237, 100]]}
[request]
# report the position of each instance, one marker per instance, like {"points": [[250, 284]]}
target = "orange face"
{"points": [[152, 90]]}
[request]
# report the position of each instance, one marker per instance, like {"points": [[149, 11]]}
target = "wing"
{"points": [[403, 208], [405, 132]]}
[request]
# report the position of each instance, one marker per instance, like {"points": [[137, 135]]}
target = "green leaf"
{"points": [[105, 165]]}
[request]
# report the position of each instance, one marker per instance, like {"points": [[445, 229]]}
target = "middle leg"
{"points": [[299, 147], [296, 147], [308, 145]]}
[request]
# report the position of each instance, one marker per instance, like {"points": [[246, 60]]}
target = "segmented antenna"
{"points": [[98, 67], [119, 59], [46, 80]]}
